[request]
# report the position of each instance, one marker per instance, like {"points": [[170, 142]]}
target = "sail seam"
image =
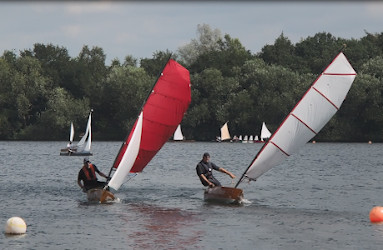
{"points": [[340, 74], [296, 117], [325, 97], [279, 148]]}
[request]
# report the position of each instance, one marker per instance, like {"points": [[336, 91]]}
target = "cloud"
{"points": [[71, 30], [375, 9]]}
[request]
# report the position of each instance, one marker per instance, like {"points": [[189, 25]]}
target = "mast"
{"points": [[251, 163]]}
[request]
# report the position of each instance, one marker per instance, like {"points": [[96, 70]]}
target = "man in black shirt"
{"points": [[204, 171], [88, 176]]}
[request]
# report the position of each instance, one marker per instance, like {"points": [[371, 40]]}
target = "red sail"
{"points": [[162, 112]]}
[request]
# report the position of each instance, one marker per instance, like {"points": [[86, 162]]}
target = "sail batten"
{"points": [[320, 102], [296, 117]]}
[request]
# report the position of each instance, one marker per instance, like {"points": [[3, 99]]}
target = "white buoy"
{"points": [[15, 225]]}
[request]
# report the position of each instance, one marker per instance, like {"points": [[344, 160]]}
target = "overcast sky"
{"points": [[142, 28]]}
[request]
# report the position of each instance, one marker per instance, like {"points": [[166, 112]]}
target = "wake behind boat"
{"points": [[157, 121], [82, 148]]}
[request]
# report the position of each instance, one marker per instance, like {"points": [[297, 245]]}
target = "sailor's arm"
{"points": [[80, 184], [211, 184], [227, 172]]}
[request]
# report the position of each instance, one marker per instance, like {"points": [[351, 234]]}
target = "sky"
{"points": [[139, 29]]}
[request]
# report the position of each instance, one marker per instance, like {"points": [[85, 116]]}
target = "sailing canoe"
{"points": [[82, 148], [223, 195], [321, 101], [161, 114]]}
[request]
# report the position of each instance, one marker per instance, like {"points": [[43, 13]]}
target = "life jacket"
{"points": [[90, 173]]}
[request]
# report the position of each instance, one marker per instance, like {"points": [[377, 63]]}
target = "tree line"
{"points": [[43, 89]]}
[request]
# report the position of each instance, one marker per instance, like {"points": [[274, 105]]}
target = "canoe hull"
{"points": [[66, 152], [223, 195], [95, 195]]}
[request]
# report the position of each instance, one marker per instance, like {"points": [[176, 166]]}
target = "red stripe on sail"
{"points": [[339, 74], [307, 126], [162, 112], [279, 148], [325, 97]]}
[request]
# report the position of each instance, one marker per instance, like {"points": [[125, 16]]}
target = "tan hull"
{"points": [[223, 194], [96, 194]]}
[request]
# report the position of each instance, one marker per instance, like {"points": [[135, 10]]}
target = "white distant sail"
{"points": [[178, 136], [251, 139], [71, 135], [245, 139], [309, 116], [225, 135], [81, 145], [265, 133]]}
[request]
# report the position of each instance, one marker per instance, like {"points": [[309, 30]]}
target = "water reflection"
{"points": [[162, 228]]}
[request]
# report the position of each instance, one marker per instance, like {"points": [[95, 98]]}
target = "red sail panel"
{"points": [[162, 112]]}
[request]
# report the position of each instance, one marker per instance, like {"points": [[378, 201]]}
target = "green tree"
{"points": [[157, 63], [207, 41], [124, 93]]}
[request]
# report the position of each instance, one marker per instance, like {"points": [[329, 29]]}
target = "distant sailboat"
{"points": [[309, 116], [245, 139], [265, 133], [83, 146], [178, 136], [251, 139], [158, 119], [225, 135]]}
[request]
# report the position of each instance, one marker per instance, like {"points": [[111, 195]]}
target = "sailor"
{"points": [[87, 175], [205, 171]]}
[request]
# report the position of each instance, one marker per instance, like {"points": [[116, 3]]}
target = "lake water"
{"points": [[319, 198]]}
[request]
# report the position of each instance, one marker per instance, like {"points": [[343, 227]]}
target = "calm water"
{"points": [[318, 199]]}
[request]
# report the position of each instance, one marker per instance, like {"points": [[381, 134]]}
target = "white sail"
{"points": [[309, 116], [129, 157], [225, 135], [71, 135], [251, 139], [89, 141], [245, 139], [265, 133], [178, 136], [81, 146]]}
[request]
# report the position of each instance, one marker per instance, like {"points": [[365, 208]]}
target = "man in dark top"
{"points": [[204, 171], [88, 176]]}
